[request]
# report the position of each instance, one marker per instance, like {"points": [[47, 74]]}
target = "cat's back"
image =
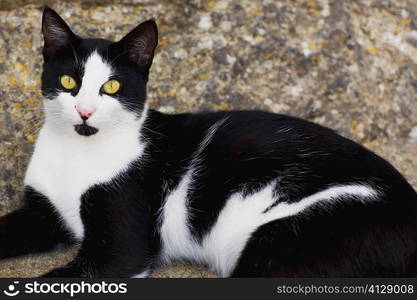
{"points": [[259, 145], [244, 136]]}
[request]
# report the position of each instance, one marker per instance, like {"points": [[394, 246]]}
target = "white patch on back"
{"points": [[242, 216], [64, 164], [177, 241], [175, 232], [239, 219], [236, 222]]}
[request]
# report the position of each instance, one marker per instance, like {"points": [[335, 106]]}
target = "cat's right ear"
{"points": [[139, 44], [56, 33]]}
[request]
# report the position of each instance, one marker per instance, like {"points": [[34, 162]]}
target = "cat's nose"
{"points": [[84, 113]]}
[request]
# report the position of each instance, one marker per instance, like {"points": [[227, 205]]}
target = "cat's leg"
{"points": [[82, 267], [352, 240], [79, 268], [119, 236], [33, 228], [100, 263], [106, 258]]}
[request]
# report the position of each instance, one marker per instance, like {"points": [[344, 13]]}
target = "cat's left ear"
{"points": [[56, 33], [139, 44]]}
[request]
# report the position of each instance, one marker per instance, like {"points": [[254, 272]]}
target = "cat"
{"points": [[245, 193]]}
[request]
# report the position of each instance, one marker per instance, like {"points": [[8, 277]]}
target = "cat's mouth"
{"points": [[85, 130]]}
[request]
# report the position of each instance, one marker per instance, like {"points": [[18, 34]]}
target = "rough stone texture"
{"points": [[349, 65]]}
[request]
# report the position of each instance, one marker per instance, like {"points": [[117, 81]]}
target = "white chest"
{"points": [[63, 168]]}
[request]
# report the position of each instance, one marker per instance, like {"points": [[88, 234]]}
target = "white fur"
{"points": [[144, 274], [236, 222], [241, 216], [175, 232], [64, 164], [177, 240]]}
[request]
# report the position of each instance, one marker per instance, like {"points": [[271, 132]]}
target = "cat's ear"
{"points": [[56, 33], [139, 44]]}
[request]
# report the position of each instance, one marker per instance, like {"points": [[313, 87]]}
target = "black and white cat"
{"points": [[247, 193]]}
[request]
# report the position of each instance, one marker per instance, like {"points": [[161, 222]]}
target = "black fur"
{"points": [[350, 238], [34, 227], [86, 130]]}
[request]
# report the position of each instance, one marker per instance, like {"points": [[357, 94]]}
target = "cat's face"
{"points": [[92, 86]]}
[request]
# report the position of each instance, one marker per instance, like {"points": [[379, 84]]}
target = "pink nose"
{"points": [[84, 113]]}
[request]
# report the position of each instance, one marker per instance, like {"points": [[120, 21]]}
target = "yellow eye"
{"points": [[68, 82], [111, 86]]}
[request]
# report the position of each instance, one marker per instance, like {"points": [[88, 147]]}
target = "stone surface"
{"points": [[349, 65]]}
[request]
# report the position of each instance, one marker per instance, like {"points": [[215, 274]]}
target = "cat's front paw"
{"points": [[4, 252]]}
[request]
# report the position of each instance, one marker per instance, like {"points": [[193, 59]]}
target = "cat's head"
{"points": [[94, 85]]}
